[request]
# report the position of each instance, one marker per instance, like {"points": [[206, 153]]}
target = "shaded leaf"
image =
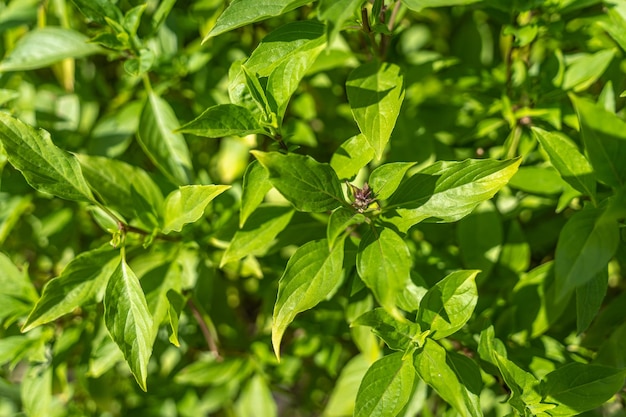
{"points": [[398, 335], [306, 183], [339, 221], [589, 297], [312, 273], [18, 293], [46, 167], [418, 5]]}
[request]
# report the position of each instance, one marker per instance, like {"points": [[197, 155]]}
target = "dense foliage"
{"points": [[327, 208]]}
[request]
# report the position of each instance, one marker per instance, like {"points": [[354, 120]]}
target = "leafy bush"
{"points": [[385, 208]]}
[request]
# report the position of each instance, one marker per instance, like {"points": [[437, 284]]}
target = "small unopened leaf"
{"points": [[448, 305], [384, 263], [128, 320], [375, 94], [312, 272], [223, 120], [166, 148], [46, 167], [448, 191], [306, 183], [187, 204], [80, 282], [386, 387], [243, 12], [43, 47]]}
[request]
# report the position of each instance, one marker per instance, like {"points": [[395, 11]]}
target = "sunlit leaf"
{"points": [[187, 205]]}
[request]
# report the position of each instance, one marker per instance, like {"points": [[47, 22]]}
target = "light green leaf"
{"points": [[18, 13], [375, 94], [538, 180], [82, 280], [256, 184], [166, 148], [258, 233], [339, 221], [351, 156], [335, 13], [386, 387], [209, 371], [128, 320], [223, 120], [586, 244], [306, 183], [398, 335], [43, 47], [114, 181], [448, 305], [385, 179], [18, 294], [418, 5], [46, 167], [448, 191], [157, 283], [97, 10], [312, 273], [604, 137], [481, 253], [589, 297], [243, 12], [568, 160], [586, 70], [578, 387], [384, 263], [524, 386], [36, 391], [187, 205], [434, 367], [256, 399], [343, 397], [177, 302]]}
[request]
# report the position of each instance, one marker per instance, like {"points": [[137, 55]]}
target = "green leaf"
{"points": [[375, 94], [448, 191], [307, 184], [18, 294], [97, 10], [335, 13], [128, 320], [398, 335], [46, 167], [589, 297], [418, 5], [567, 159], [258, 233], [385, 179], [82, 280], [448, 305], [605, 141], [176, 303], [577, 387], [523, 385], [481, 253], [343, 397], [43, 47], [244, 12], [340, 220], [312, 273], [433, 366], [36, 391], [256, 184], [223, 120], [187, 205], [586, 244], [386, 387], [586, 70], [351, 156], [209, 371], [256, 399], [167, 149], [114, 181], [384, 262]]}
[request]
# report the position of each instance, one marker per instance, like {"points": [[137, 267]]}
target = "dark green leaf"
{"points": [[46, 167], [386, 387], [312, 273], [18, 293], [418, 5], [589, 297], [481, 253], [339, 222], [306, 183]]}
